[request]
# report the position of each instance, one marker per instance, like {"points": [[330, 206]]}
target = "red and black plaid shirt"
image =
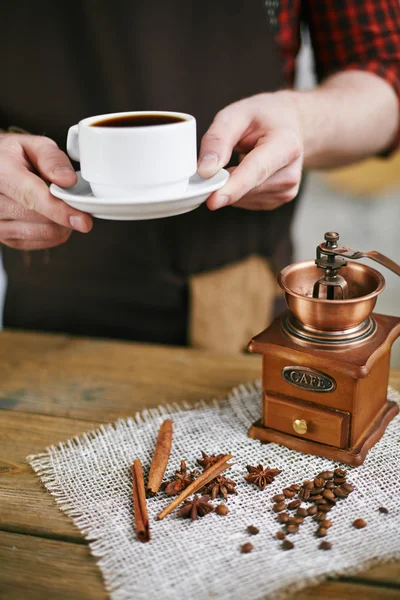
{"points": [[345, 34]]}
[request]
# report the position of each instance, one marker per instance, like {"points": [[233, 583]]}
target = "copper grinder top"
{"points": [[328, 305]]}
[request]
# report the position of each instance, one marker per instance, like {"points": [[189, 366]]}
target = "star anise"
{"points": [[198, 507], [208, 460], [180, 482], [260, 476], [220, 486]]}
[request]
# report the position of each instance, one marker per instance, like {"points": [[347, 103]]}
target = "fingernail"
{"points": [[78, 223], [221, 201], [208, 161], [63, 170]]}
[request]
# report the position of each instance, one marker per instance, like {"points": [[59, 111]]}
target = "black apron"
{"points": [[66, 60]]}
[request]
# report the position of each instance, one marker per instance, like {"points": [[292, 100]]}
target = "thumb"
{"points": [[227, 129], [49, 161]]}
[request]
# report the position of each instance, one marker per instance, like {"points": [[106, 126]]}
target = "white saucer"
{"points": [[133, 209]]}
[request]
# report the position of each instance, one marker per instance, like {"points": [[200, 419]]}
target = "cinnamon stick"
{"points": [[196, 485], [160, 458], [139, 502]]}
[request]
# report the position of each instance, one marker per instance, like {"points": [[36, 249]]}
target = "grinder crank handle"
{"points": [[355, 254]]}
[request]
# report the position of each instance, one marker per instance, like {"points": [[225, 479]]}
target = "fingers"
{"points": [[228, 127], [49, 161], [32, 236], [271, 154], [281, 187], [11, 210], [18, 154], [32, 194]]}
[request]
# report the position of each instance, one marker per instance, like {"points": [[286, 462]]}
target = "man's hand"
{"points": [[266, 131], [30, 217], [351, 115]]}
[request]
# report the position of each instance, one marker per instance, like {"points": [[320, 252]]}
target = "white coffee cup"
{"points": [[139, 161]]}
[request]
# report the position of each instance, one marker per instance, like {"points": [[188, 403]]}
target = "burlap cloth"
{"points": [[89, 477]]}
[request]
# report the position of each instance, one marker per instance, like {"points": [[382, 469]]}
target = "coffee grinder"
{"points": [[326, 359]]}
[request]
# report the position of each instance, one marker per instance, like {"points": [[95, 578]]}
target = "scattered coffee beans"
{"points": [[359, 523], [252, 530], [326, 475], [292, 528], [287, 545], [222, 510], [319, 482], [325, 545], [321, 532], [279, 507], [339, 473], [288, 493], [294, 504], [326, 523], [278, 498], [280, 535], [312, 510], [246, 548], [328, 495], [301, 512], [283, 517], [383, 510]]}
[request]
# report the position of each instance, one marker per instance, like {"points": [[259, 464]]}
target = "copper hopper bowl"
{"points": [[364, 286]]}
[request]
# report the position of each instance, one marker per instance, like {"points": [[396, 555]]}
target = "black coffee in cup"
{"points": [[138, 120]]}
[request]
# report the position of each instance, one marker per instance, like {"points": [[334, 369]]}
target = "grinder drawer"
{"points": [[307, 420]]}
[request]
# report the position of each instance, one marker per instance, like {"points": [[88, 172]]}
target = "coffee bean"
{"points": [[283, 517], [304, 494], [289, 493], [339, 480], [308, 484], [321, 532], [325, 508], [294, 504], [296, 520], [325, 545], [252, 530], [359, 523], [312, 511], [278, 498], [292, 528], [328, 494], [301, 512], [222, 510], [287, 545], [319, 482], [320, 516], [246, 548], [316, 491], [280, 535], [295, 487], [329, 485], [339, 473], [279, 507], [326, 475], [326, 523], [347, 487], [383, 510], [321, 501], [339, 493]]}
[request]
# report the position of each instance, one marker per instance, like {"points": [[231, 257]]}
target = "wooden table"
{"points": [[53, 387]]}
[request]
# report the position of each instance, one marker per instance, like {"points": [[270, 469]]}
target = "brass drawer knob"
{"points": [[300, 426]]}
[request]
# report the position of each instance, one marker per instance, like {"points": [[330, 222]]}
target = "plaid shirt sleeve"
{"points": [[356, 34]]}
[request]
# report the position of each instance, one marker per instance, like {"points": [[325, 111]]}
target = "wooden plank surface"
{"points": [[37, 569], [55, 387]]}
